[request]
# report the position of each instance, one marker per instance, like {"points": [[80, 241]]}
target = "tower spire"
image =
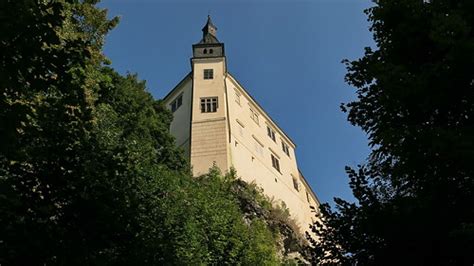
{"points": [[209, 32], [209, 45]]}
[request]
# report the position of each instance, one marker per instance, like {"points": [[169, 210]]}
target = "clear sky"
{"points": [[287, 54]]}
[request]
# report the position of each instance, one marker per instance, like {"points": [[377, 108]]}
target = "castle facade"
{"points": [[217, 122]]}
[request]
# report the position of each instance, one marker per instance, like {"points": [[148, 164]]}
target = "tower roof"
{"points": [[209, 32], [209, 24]]}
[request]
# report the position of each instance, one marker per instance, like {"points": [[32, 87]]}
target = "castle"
{"points": [[217, 122]]}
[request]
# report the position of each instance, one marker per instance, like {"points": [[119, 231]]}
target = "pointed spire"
{"points": [[209, 32], [209, 27]]}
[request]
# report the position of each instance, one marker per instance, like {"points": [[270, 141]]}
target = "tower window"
{"points": [[241, 130], [205, 51], [285, 148], [208, 73], [209, 105], [176, 103], [271, 133], [296, 185], [237, 97], [275, 162], [254, 116], [211, 51], [241, 127], [258, 147]]}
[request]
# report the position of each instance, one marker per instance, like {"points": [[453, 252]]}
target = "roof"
{"points": [[308, 186], [177, 86], [209, 32], [263, 111], [209, 24], [209, 38]]}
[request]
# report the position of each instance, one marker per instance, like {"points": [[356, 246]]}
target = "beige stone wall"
{"points": [[209, 145], [209, 135], [251, 150], [230, 137]]}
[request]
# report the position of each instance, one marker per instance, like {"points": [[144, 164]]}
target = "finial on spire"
{"points": [[209, 46], [209, 31]]}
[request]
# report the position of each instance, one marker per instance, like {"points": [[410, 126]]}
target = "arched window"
{"points": [[211, 51], [205, 51]]}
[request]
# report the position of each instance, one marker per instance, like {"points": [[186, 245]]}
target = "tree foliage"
{"points": [[89, 173], [416, 104], [210, 228]]}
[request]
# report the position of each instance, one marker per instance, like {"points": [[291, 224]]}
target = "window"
{"points": [[258, 146], [285, 148], [237, 97], [275, 162], [271, 133], [177, 103], [209, 105], [254, 116], [241, 127], [307, 197], [205, 51], [211, 51], [208, 73], [296, 184], [241, 131]]}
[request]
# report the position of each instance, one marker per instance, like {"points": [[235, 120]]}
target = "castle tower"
{"points": [[217, 122], [209, 125]]}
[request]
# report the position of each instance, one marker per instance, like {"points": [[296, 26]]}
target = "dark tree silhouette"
{"points": [[89, 173], [415, 92]]}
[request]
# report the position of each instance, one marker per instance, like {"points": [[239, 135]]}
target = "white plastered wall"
{"points": [[254, 164], [211, 142], [180, 126]]}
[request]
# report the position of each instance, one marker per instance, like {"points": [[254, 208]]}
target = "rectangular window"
{"points": [[258, 148], [285, 148], [208, 73], [241, 131], [275, 162], [237, 97], [296, 184], [209, 105], [177, 103], [254, 116], [271, 133], [241, 127], [307, 197]]}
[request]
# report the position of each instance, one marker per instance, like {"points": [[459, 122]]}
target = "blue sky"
{"points": [[287, 54]]}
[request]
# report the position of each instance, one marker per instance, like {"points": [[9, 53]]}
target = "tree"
{"points": [[416, 104], [89, 173], [81, 147], [208, 227]]}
